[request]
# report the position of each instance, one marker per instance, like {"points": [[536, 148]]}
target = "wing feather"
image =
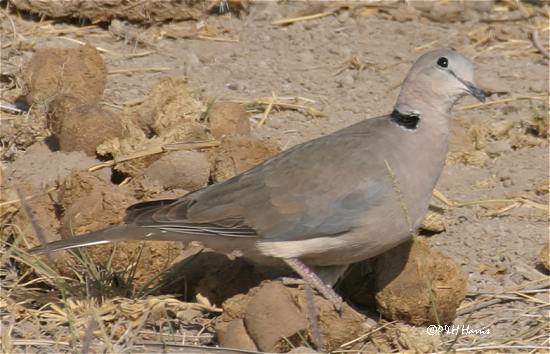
{"points": [[304, 192]]}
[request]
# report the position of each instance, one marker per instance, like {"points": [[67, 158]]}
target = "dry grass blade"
{"points": [[37, 342], [96, 320], [498, 298], [138, 70], [364, 336], [196, 349], [401, 199], [426, 46], [283, 103], [50, 29], [12, 24], [157, 150], [504, 100], [73, 316], [139, 55], [437, 194], [353, 63], [531, 298], [536, 42], [88, 336], [42, 268], [511, 203], [151, 151], [218, 39], [503, 348], [99, 49], [29, 197], [135, 314], [287, 21], [268, 109]]}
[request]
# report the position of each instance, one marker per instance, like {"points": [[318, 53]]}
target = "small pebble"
{"points": [[345, 52], [191, 59], [507, 183], [306, 57], [497, 148], [347, 81], [234, 86], [343, 16], [538, 85], [517, 278]]}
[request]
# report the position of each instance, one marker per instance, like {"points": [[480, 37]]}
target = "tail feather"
{"points": [[109, 235], [139, 209]]}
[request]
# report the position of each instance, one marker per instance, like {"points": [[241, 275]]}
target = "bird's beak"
{"points": [[474, 90], [471, 88]]}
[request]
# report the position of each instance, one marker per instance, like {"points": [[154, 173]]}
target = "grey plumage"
{"points": [[331, 201]]}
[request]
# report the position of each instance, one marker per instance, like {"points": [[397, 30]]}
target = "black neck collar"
{"points": [[407, 120]]}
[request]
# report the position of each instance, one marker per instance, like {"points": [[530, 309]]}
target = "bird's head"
{"points": [[439, 78]]}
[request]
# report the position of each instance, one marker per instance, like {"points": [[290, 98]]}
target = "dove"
{"points": [[328, 202]]}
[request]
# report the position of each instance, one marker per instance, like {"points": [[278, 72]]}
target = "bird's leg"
{"points": [[315, 330], [312, 279]]}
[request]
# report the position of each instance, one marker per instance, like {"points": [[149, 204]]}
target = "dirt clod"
{"points": [[171, 109], [91, 203], [234, 335], [228, 119], [169, 114], [418, 285], [187, 170], [238, 154], [275, 316], [79, 72], [83, 128], [272, 315]]}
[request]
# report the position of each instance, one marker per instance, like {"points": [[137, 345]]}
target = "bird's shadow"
{"points": [[215, 276], [218, 277]]}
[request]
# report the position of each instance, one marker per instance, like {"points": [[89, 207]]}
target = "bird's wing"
{"points": [[171, 215], [322, 187]]}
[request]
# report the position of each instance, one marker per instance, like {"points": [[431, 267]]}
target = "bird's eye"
{"points": [[442, 62]]}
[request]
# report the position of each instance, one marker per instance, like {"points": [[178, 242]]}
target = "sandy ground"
{"points": [[351, 64]]}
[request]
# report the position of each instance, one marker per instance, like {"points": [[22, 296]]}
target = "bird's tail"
{"points": [[109, 235]]}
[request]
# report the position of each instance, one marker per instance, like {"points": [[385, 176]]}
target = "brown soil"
{"points": [[273, 317], [90, 203], [228, 119], [188, 170], [105, 10], [239, 153], [79, 72], [84, 127], [166, 87], [418, 285]]}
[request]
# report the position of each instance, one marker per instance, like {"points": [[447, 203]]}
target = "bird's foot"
{"points": [[289, 281], [315, 282]]}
